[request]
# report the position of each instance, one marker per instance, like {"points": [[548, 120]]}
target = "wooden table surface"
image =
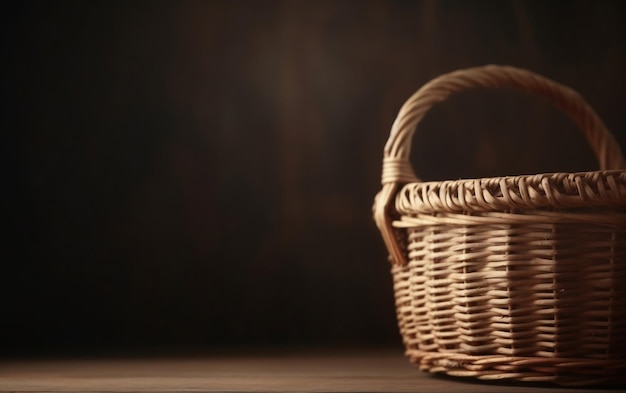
{"points": [[306, 371]]}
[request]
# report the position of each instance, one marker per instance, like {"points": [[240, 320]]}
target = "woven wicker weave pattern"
{"points": [[494, 290], [518, 277]]}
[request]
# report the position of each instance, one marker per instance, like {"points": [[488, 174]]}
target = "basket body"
{"points": [[520, 278], [532, 295]]}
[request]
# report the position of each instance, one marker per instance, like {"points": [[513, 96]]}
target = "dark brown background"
{"points": [[200, 174]]}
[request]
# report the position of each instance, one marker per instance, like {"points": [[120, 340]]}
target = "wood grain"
{"points": [[373, 371]]}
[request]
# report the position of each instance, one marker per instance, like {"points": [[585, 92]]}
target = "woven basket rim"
{"points": [[557, 190]]}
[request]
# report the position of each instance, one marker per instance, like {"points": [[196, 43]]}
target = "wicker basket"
{"points": [[520, 278]]}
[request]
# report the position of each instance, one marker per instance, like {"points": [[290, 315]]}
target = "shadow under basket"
{"points": [[510, 278]]}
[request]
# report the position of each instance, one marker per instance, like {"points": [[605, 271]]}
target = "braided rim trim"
{"points": [[556, 190]]}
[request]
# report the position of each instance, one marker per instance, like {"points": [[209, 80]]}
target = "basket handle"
{"points": [[397, 169]]}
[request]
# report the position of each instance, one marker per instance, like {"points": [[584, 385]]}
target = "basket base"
{"points": [[561, 371]]}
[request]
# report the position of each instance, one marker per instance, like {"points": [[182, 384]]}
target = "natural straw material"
{"points": [[520, 277]]}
